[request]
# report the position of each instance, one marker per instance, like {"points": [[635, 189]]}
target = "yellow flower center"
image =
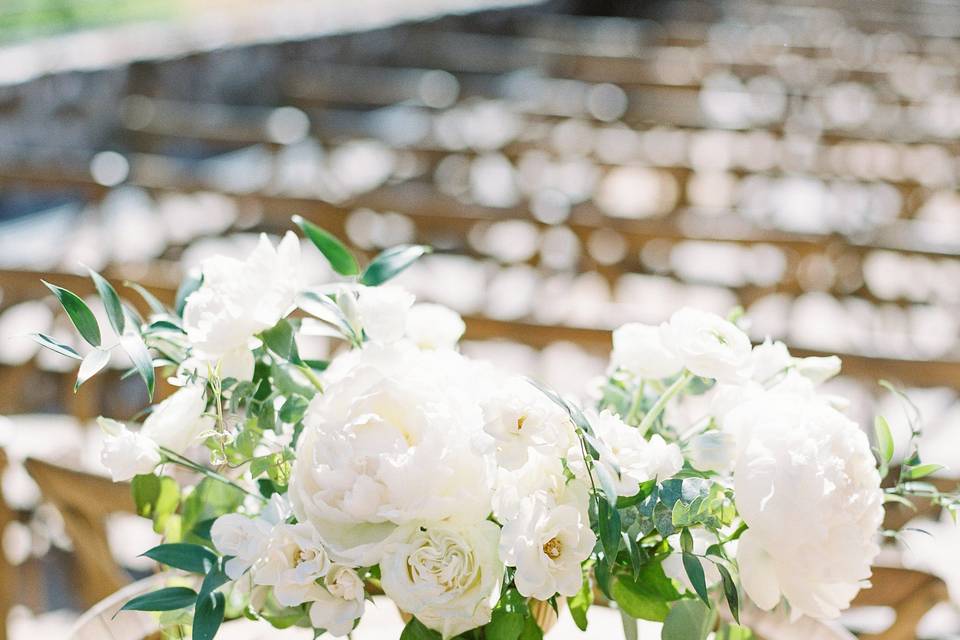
{"points": [[553, 548]]}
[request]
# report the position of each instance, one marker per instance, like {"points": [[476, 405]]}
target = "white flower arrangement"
{"points": [[467, 495]]}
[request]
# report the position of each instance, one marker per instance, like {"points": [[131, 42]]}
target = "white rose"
{"points": [[240, 298], [126, 453], [389, 443], [337, 605], [806, 485], [547, 544], [520, 419], [179, 421], [293, 560], [625, 448], [540, 474], [243, 538], [383, 311], [448, 576], [639, 349], [708, 345], [712, 451], [434, 326]]}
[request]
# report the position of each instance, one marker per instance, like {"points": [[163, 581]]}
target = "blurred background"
{"points": [[577, 165]]}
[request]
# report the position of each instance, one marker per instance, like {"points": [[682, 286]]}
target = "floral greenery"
{"points": [[636, 505]]}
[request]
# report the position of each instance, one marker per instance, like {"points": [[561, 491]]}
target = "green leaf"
{"points": [[293, 409], [155, 305], [608, 520], [415, 630], [136, 350], [111, 301], [531, 630], [92, 363], [332, 249], [730, 591], [79, 313], [188, 557], [686, 539], [647, 596], [191, 283], [688, 620], [922, 470], [169, 599], [208, 616], [691, 564], [884, 439], [391, 262], [213, 580], [505, 624], [281, 340], [155, 497], [580, 602], [210, 499], [57, 347]]}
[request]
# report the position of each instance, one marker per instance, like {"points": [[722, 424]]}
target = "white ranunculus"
{"points": [[243, 538], [547, 544], [389, 443], [337, 605], [434, 326], [446, 575], [126, 453], [520, 419], [179, 421], [806, 485], [383, 311], [624, 448], [240, 298], [712, 451], [293, 560], [639, 349], [708, 345]]}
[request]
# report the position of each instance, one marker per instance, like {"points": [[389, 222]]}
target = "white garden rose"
{"points": [[638, 460], [547, 544], [337, 605], [240, 298], [806, 485], [447, 575], [521, 419], [126, 453], [179, 421], [246, 538], [388, 443], [383, 311], [639, 349], [434, 326], [708, 345], [542, 474], [293, 560]]}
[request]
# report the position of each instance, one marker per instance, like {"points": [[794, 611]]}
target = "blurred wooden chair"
{"points": [[85, 500], [101, 621], [910, 593], [9, 577]]}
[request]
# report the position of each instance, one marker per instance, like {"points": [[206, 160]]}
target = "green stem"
{"points": [[311, 376], [176, 458], [661, 404], [637, 400]]}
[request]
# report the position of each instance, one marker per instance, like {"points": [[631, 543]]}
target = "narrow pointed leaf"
{"points": [[190, 284], [169, 599], [884, 439], [281, 340], [694, 569], [79, 313], [188, 557], [922, 470], [92, 363], [730, 592], [111, 301], [332, 249], [57, 347], [609, 525], [155, 305], [208, 616], [391, 262], [136, 349]]}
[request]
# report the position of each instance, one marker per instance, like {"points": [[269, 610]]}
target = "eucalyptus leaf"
{"points": [[391, 262], [57, 347], [111, 301], [79, 313], [332, 249]]}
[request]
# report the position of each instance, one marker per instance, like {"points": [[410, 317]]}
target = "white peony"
{"points": [[179, 421], [245, 538], [547, 544], [293, 560], [448, 576], [389, 443], [520, 419], [240, 298], [772, 360], [639, 349], [434, 326], [806, 485], [638, 460], [383, 311], [126, 453], [708, 345], [337, 605]]}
